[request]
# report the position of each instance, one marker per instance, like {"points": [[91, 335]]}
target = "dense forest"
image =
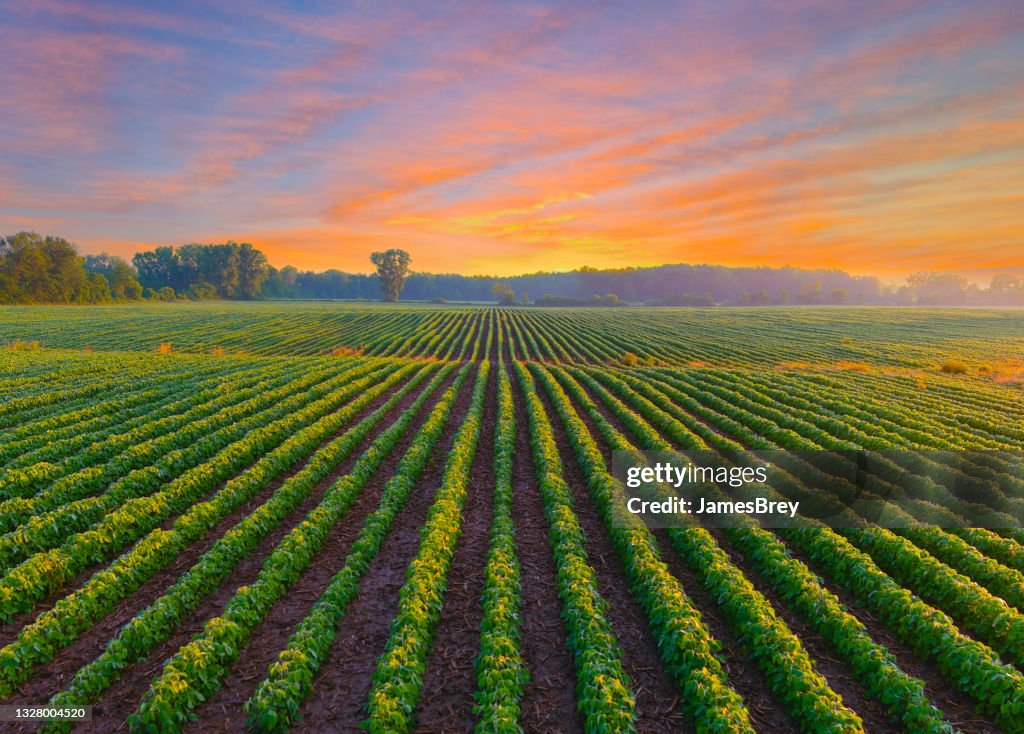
{"points": [[38, 269]]}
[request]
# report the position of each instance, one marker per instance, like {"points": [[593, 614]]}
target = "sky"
{"points": [[498, 138]]}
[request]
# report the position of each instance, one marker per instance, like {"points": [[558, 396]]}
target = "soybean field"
{"points": [[326, 517]]}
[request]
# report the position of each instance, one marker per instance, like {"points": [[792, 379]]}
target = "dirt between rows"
{"points": [[59, 672], [957, 706], [743, 674], [337, 702], [122, 698], [9, 632], [549, 701], [658, 703], [342, 686], [446, 700]]}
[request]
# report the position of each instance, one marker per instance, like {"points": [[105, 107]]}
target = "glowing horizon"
{"points": [[879, 138]]}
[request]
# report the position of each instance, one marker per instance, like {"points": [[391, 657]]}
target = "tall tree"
{"points": [[37, 269], [937, 288], [121, 277], [504, 294], [253, 270], [122, 281], [158, 268], [392, 269], [228, 270]]}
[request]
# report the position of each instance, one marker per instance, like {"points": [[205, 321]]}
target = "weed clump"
{"points": [[848, 366]]}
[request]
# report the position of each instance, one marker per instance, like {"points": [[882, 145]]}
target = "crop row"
{"points": [[874, 666], [226, 453], [398, 677], [766, 639], [70, 616], [603, 693], [500, 670], [196, 670], [969, 665]]}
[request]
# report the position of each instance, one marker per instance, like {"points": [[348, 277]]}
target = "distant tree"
{"points": [[97, 288], [289, 275], [810, 292], [202, 291], [37, 269], [661, 285], [837, 296], [1004, 282], [158, 267], [938, 288], [66, 275], [98, 263], [164, 294], [27, 265], [524, 298], [687, 299], [253, 270], [122, 281], [120, 276], [233, 270], [504, 294], [1006, 290], [392, 269], [218, 265]]}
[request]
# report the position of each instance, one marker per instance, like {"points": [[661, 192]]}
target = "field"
{"points": [[317, 516]]}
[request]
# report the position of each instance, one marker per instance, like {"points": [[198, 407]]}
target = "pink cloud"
{"points": [[511, 137]]}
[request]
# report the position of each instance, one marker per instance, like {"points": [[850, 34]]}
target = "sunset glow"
{"points": [[876, 137]]}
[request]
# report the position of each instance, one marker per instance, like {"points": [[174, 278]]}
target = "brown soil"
{"points": [[827, 661], [658, 702], [56, 674], [123, 697], [11, 630], [343, 683], [839, 674], [446, 700], [223, 711], [506, 342], [958, 707], [743, 674], [492, 339], [549, 701]]}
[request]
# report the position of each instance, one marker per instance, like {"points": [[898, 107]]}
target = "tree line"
{"points": [[38, 269]]}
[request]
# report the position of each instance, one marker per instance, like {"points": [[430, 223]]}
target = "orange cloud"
{"points": [[879, 137]]}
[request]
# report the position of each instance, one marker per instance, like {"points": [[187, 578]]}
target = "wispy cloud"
{"points": [[878, 136]]}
